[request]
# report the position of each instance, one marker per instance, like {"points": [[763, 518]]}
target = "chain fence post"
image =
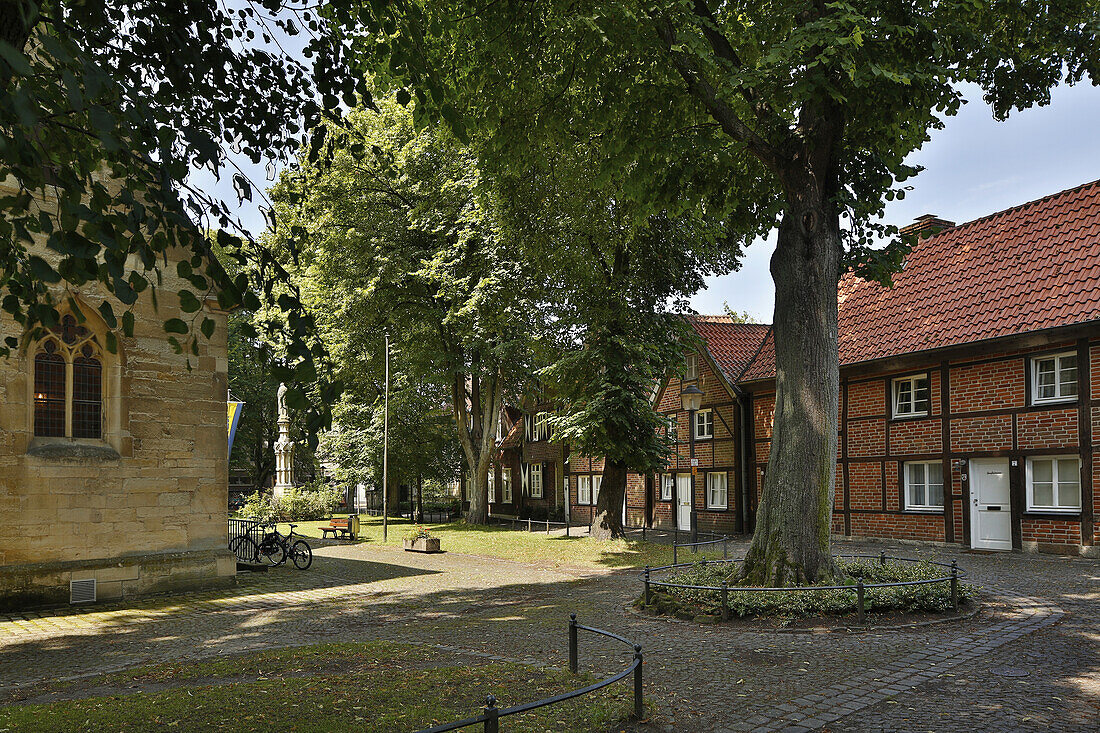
{"points": [[547, 525], [528, 524], [646, 596], [492, 713], [725, 600], [573, 642], [859, 600], [639, 707], [882, 558], [675, 547], [955, 585]]}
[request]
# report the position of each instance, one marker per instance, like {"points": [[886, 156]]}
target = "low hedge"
{"points": [[924, 598]]}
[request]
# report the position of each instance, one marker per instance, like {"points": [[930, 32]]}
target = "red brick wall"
{"points": [[1046, 429], [989, 386], [994, 383], [865, 486], [989, 433], [916, 437]]}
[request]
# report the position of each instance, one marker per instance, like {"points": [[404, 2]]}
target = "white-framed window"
{"points": [[536, 480], [924, 485], [542, 427], [492, 485], [1054, 484], [1054, 378], [704, 424], [717, 490], [597, 481], [691, 367], [584, 489], [911, 396], [667, 483], [506, 485]]}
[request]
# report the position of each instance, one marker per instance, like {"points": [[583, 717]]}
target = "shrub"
{"points": [[295, 505], [927, 597]]}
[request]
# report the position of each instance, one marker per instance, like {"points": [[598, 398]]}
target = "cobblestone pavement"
{"points": [[1041, 619]]}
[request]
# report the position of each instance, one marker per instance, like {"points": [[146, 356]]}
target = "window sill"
{"points": [[1054, 401], [913, 416], [703, 437], [1052, 514], [62, 449], [922, 510]]}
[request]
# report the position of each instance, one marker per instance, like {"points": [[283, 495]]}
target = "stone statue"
{"points": [[284, 448]]}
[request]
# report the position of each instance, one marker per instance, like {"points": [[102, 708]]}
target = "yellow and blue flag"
{"points": [[234, 417]]}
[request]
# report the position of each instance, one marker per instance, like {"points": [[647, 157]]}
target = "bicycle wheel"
{"points": [[301, 554], [244, 548], [272, 552]]}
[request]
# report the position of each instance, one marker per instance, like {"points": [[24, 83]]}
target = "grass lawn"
{"points": [[372, 686], [554, 550]]}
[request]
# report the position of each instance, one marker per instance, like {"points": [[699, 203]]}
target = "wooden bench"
{"points": [[337, 526]]}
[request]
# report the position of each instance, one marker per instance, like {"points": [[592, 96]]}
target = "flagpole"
{"points": [[386, 449]]}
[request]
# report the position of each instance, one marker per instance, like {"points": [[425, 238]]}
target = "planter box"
{"points": [[423, 544]]}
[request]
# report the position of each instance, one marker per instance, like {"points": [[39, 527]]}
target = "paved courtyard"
{"points": [[1030, 660]]}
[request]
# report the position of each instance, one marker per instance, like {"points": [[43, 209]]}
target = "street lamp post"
{"points": [[386, 450], [691, 398]]}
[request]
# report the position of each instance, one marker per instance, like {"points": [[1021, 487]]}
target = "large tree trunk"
{"points": [[791, 542], [608, 521]]}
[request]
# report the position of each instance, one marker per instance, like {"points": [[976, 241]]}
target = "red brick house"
{"points": [[968, 413], [525, 477]]}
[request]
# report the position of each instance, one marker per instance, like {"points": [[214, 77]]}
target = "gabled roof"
{"points": [[731, 345], [1029, 268]]}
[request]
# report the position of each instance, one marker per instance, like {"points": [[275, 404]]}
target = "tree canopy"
{"points": [[796, 114], [399, 240]]}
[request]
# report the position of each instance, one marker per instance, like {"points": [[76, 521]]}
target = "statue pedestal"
{"points": [[284, 456]]}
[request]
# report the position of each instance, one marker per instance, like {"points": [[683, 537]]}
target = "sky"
{"points": [[973, 167]]}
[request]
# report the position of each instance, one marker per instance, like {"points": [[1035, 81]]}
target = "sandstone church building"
{"points": [[113, 466]]}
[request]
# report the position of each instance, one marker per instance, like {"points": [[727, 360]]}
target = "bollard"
{"points": [[955, 585], [725, 600], [882, 558], [643, 533], [528, 524], [639, 708], [646, 596], [859, 600], [573, 640], [492, 713], [547, 526]]}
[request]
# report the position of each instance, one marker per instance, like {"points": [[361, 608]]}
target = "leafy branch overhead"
{"points": [[108, 109]]}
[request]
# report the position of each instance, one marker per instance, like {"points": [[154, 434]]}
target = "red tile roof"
{"points": [[1029, 268], [731, 345]]}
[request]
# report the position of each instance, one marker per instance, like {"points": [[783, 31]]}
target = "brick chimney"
{"points": [[926, 225]]}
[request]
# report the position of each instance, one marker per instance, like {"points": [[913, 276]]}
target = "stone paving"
{"points": [[1041, 619]]}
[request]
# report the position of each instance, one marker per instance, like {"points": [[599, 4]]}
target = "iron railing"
{"points": [[952, 579], [725, 540], [491, 714]]}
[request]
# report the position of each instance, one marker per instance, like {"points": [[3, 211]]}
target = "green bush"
{"points": [[927, 597], [304, 504]]}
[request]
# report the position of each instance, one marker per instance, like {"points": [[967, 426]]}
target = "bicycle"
{"points": [[275, 548]]}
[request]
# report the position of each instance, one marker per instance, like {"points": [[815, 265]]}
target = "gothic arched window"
{"points": [[68, 383]]}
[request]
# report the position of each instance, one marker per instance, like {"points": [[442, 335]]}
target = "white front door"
{"points": [[683, 500], [990, 504]]}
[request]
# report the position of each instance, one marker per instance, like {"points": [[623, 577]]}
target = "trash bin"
{"points": [[353, 525]]}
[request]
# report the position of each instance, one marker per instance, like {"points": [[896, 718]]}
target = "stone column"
{"points": [[284, 449]]}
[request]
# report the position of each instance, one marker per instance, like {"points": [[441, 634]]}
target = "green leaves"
{"points": [[175, 325], [188, 302]]}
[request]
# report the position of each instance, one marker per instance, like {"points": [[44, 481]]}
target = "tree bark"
{"points": [[608, 521], [477, 423], [790, 545]]}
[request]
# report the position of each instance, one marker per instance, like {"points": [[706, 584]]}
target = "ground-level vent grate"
{"points": [[82, 591]]}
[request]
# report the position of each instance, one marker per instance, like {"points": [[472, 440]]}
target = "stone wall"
{"points": [[144, 508]]}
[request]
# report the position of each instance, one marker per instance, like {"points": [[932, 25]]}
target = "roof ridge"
{"points": [[1015, 208]]}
